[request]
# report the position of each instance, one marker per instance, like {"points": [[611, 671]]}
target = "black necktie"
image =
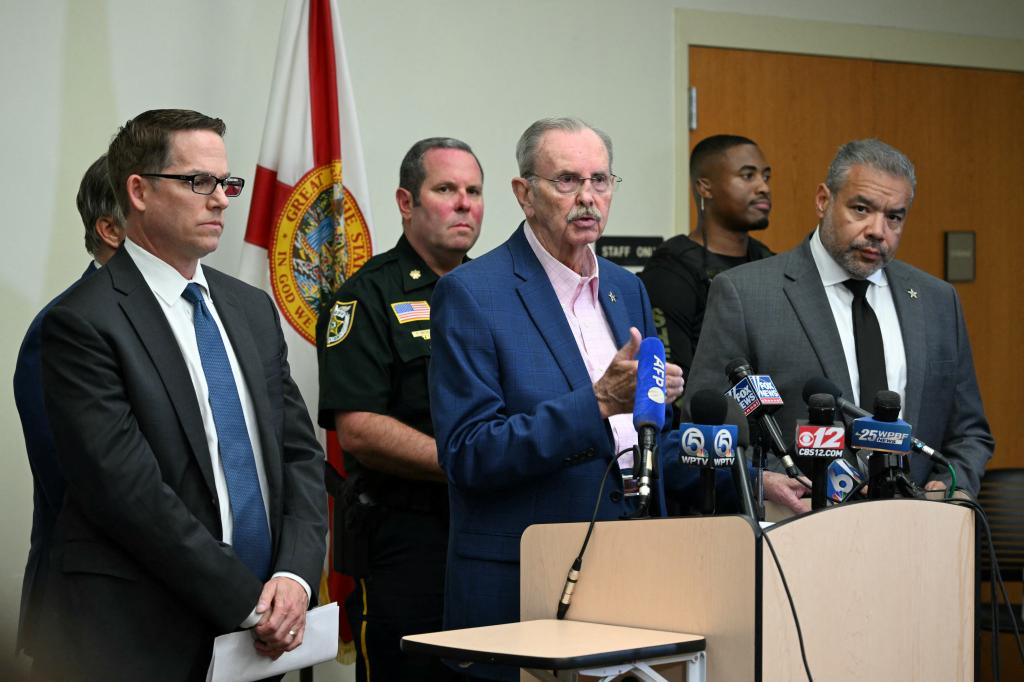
{"points": [[867, 337]]}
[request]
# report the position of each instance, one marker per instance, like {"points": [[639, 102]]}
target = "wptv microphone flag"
{"points": [[309, 221]]}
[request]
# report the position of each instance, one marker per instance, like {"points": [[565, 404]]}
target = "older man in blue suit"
{"points": [[532, 359]]}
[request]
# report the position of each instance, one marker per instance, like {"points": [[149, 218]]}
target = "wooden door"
{"points": [[964, 131]]}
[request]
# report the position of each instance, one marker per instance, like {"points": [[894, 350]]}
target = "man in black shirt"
{"points": [[729, 179], [374, 346]]}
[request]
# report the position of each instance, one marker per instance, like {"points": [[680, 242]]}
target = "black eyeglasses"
{"points": [[204, 183]]}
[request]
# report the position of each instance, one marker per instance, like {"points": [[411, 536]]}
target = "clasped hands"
{"points": [[282, 606]]}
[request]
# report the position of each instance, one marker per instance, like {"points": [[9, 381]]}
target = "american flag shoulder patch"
{"points": [[411, 311]]}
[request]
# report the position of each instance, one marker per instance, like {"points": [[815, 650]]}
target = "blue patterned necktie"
{"points": [[250, 537]]}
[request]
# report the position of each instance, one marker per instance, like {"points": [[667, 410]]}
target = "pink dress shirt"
{"points": [[578, 296]]}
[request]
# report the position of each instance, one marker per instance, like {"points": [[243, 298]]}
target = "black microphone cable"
{"points": [[792, 606], [577, 565], [996, 580]]}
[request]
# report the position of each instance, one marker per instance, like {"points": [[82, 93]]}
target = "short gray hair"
{"points": [[411, 173], [526, 148], [96, 200], [869, 152]]}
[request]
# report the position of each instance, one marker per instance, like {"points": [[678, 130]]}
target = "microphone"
{"points": [[648, 413], [823, 385], [758, 398], [740, 472], [821, 438], [648, 420], [888, 438], [843, 477], [570, 585], [708, 442]]}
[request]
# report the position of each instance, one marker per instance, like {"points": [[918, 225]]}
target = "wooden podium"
{"points": [[884, 590]]}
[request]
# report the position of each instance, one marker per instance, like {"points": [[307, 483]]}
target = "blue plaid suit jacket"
{"points": [[518, 428]]}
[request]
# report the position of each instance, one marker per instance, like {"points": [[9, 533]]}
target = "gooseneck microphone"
{"points": [[823, 385], [758, 398], [570, 586], [648, 415]]}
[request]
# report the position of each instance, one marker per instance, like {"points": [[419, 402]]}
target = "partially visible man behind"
{"points": [[104, 233], [195, 499], [839, 305], [729, 178], [374, 342]]}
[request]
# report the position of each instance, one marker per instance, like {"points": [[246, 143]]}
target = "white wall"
{"points": [[478, 70]]}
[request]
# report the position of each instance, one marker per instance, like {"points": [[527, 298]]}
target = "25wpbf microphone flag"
{"points": [[309, 223]]}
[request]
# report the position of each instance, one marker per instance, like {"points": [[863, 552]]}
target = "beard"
{"points": [[757, 226], [848, 255], [742, 224]]}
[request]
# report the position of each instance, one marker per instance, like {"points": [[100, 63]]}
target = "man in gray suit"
{"points": [[792, 316]]}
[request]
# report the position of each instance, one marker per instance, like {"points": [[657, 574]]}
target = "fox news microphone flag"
{"points": [[309, 221]]}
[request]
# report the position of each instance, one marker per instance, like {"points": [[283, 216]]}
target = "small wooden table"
{"points": [[564, 649]]}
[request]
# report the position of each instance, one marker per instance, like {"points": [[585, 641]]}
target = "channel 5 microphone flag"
{"points": [[309, 226]]}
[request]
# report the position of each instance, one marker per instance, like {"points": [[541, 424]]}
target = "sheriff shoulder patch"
{"points": [[342, 315]]}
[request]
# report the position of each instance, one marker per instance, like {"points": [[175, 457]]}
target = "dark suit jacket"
{"points": [[775, 313], [47, 479], [518, 428], [141, 582]]}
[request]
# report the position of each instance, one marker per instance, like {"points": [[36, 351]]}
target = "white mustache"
{"points": [[578, 212]]}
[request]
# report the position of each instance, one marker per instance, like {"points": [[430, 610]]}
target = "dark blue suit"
{"points": [[47, 479], [518, 428]]}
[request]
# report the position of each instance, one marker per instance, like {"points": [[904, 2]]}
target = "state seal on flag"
{"points": [[319, 240]]}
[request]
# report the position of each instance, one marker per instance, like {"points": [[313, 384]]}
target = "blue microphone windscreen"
{"points": [[649, 402]]}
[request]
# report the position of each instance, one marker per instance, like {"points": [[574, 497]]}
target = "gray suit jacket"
{"points": [[776, 314], [140, 579]]}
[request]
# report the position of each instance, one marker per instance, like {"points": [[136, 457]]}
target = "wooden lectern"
{"points": [[884, 589]]}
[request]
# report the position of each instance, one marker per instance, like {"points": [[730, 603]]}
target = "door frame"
{"points": [[797, 36]]}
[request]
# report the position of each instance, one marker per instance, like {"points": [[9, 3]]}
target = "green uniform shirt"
{"points": [[374, 341]]}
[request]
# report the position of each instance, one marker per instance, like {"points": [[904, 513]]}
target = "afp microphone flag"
{"points": [[309, 223]]}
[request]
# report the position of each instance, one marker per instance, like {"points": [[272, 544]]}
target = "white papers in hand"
{"points": [[235, 658]]}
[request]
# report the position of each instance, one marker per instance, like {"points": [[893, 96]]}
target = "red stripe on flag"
{"points": [[268, 197], [339, 585], [323, 85]]}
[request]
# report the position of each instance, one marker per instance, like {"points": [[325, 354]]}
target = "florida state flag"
{"points": [[309, 223]]}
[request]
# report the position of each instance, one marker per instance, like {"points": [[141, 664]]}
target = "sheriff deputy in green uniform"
{"points": [[374, 350]]}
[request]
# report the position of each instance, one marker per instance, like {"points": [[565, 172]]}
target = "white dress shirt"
{"points": [[167, 284], [879, 297]]}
